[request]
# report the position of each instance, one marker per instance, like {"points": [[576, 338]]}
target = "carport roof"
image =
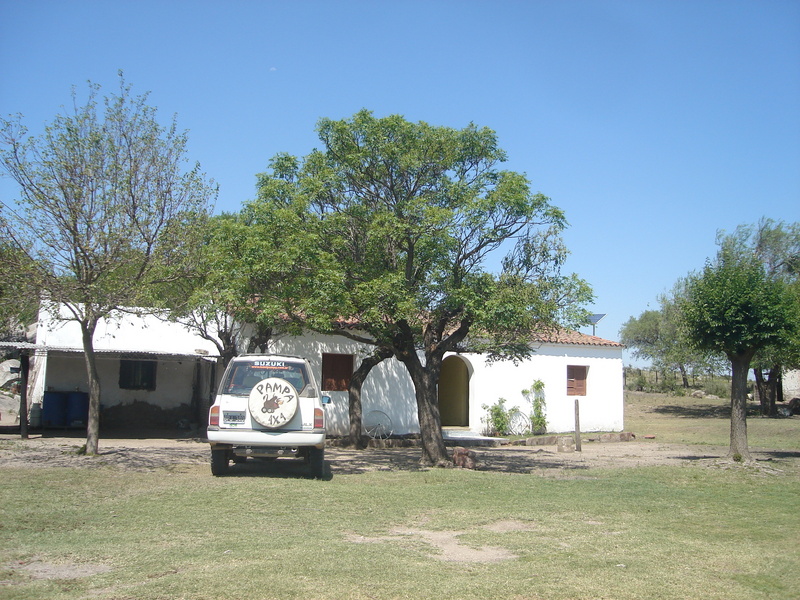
{"points": [[65, 350]]}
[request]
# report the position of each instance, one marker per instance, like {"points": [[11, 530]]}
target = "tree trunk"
{"points": [[357, 440], [768, 389], [773, 386], [740, 364], [93, 422], [761, 390], [259, 342], [426, 379], [684, 376]]}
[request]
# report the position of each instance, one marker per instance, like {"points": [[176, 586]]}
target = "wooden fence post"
{"points": [[24, 368], [577, 425]]}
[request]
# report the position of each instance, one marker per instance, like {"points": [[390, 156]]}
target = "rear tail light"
{"points": [[319, 418], [213, 416]]}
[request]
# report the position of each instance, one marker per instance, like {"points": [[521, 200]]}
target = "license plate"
{"points": [[232, 417]]}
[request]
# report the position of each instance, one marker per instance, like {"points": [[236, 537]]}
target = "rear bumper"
{"points": [[249, 437]]}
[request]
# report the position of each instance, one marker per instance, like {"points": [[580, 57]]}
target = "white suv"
{"points": [[267, 406]]}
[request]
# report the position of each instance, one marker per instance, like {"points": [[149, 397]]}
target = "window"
{"points": [[576, 380], [137, 374], [243, 374], [336, 372]]}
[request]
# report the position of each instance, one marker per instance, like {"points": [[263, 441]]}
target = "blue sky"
{"points": [[653, 124]]}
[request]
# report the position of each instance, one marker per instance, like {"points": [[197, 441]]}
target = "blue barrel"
{"points": [[54, 409], [77, 409]]}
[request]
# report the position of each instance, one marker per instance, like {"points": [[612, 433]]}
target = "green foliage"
{"points": [[739, 305], [266, 267], [107, 210], [410, 212], [658, 336], [652, 380], [408, 215], [643, 334], [717, 386], [535, 398], [735, 308], [498, 418], [19, 296]]}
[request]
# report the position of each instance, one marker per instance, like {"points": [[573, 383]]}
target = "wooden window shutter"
{"points": [[336, 372], [576, 380]]}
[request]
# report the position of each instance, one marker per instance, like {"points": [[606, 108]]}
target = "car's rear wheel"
{"points": [[220, 460], [316, 462]]}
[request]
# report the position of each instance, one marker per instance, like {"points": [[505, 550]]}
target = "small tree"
{"points": [[107, 212], [777, 245], [735, 308], [657, 336]]}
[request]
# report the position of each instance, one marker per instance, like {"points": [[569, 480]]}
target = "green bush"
{"points": [[535, 397], [498, 419], [717, 387]]}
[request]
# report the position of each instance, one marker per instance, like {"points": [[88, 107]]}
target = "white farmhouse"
{"points": [[148, 362], [572, 366], [144, 362]]}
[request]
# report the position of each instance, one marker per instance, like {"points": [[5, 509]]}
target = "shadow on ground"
{"points": [[174, 453], [698, 411]]}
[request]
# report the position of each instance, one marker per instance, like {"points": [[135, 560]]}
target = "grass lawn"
{"points": [[723, 532], [687, 420]]}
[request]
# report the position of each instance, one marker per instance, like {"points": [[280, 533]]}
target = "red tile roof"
{"points": [[575, 337], [563, 336]]}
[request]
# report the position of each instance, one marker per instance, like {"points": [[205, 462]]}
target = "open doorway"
{"points": [[454, 392]]}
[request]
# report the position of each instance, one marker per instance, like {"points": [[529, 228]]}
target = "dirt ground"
{"points": [[162, 451]]}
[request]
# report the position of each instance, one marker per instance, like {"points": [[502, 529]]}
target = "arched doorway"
{"points": [[454, 392]]}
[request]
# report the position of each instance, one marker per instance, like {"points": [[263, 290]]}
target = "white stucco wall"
{"points": [[175, 347], [600, 410], [389, 388], [791, 385]]}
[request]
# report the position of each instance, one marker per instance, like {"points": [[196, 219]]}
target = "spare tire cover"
{"points": [[272, 402]]}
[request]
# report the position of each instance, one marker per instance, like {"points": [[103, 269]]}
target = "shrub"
{"points": [[498, 419], [535, 397], [718, 387]]}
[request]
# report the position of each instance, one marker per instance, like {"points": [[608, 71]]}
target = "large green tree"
{"points": [[737, 308], [413, 213], [108, 211], [657, 336]]}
